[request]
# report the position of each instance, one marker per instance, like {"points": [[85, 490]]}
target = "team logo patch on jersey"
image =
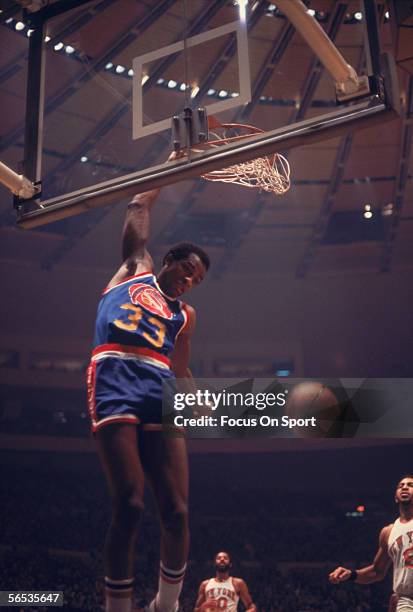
{"points": [[151, 299]]}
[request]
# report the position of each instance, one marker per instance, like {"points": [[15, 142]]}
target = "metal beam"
{"points": [[122, 41], [267, 69], [402, 178], [33, 137], [54, 10], [316, 68], [70, 26]]}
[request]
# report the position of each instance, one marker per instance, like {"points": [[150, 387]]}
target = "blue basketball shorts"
{"points": [[126, 388]]}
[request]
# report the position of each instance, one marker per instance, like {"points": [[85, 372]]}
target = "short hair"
{"points": [[183, 249], [225, 553], [405, 476]]}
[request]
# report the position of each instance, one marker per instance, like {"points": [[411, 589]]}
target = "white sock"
{"points": [[169, 589], [118, 595]]}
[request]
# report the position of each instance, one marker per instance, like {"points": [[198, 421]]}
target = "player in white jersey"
{"points": [[395, 547], [224, 591]]}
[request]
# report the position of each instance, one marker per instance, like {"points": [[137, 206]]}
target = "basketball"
{"points": [[313, 399]]}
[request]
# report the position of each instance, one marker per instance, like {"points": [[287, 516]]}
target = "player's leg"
{"points": [[118, 451], [164, 459]]}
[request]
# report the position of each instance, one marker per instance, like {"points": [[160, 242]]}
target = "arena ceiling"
{"points": [[317, 230]]}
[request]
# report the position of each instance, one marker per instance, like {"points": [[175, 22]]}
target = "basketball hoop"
{"points": [[270, 173]]}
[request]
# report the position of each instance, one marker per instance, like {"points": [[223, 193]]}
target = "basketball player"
{"points": [[224, 591], [140, 321], [395, 546]]}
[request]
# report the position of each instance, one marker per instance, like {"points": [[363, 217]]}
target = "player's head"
{"points": [[184, 267], [222, 561], [404, 491]]}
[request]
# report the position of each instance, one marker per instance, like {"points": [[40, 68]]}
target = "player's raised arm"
{"points": [[135, 257], [246, 597], [201, 596], [371, 573], [135, 234], [136, 227]]}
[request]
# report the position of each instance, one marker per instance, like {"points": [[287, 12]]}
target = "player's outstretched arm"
{"points": [[136, 227], [371, 573], [201, 596], [246, 597], [135, 257]]}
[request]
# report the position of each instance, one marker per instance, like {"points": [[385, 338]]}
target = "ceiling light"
{"points": [[29, 33], [358, 16], [194, 91], [160, 81], [311, 12], [47, 38], [120, 69], [84, 159], [69, 49], [182, 86], [387, 15], [172, 84], [19, 26], [367, 211], [242, 5], [211, 92], [223, 93], [108, 66], [58, 46]]}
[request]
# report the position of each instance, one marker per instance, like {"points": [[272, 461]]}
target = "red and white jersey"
{"points": [[400, 548], [223, 594]]}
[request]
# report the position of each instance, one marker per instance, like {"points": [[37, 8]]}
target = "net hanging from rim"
{"points": [[268, 173]]}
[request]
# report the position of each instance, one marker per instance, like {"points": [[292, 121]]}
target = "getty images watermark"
{"points": [[272, 407], [209, 402]]}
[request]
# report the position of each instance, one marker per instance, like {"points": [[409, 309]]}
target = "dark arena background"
{"points": [[315, 284], [288, 518]]}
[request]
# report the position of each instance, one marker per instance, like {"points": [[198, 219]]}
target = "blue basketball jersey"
{"points": [[135, 313]]}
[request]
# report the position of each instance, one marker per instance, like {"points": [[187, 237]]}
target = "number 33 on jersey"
{"points": [[136, 312]]}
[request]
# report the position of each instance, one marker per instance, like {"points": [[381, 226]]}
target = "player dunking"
{"points": [[395, 546], [224, 591], [140, 321]]}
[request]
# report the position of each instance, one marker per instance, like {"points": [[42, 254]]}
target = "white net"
{"points": [[269, 173]]}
